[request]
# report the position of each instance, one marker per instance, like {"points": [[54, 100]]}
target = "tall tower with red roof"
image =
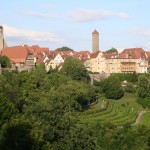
{"points": [[95, 41]]}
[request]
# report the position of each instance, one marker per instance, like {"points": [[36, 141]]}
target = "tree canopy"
{"points": [[41, 111], [75, 69], [5, 62], [112, 88], [112, 51], [64, 48], [143, 86]]}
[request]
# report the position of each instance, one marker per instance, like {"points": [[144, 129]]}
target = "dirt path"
{"points": [[138, 119]]}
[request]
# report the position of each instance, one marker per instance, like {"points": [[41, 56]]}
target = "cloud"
{"points": [[84, 15], [39, 15], [23, 35], [122, 15]]}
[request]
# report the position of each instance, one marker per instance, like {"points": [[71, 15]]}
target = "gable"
{"points": [[58, 58]]}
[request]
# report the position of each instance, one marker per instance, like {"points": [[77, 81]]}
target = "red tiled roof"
{"points": [[134, 53], [36, 49], [17, 54], [94, 55], [109, 56]]}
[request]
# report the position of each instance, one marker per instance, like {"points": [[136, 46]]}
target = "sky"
{"points": [[55, 23]]}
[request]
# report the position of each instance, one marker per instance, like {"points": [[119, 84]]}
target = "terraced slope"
{"points": [[118, 112]]}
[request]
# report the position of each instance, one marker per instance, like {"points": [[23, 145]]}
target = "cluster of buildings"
{"points": [[128, 61], [26, 57]]}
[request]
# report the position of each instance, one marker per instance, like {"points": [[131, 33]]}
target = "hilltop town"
{"points": [[67, 100], [25, 57]]}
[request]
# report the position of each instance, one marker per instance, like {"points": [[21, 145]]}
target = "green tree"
{"points": [[112, 51], [53, 115], [111, 138], [143, 86], [80, 137], [7, 110], [54, 80], [64, 48], [75, 69], [5, 62], [134, 77], [16, 136], [131, 88], [112, 88]]}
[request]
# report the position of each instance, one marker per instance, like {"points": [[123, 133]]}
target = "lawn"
{"points": [[145, 120]]}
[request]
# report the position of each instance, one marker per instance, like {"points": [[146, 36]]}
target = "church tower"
{"points": [[95, 41]]}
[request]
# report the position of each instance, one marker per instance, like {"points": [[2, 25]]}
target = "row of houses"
{"points": [[128, 61], [26, 57]]}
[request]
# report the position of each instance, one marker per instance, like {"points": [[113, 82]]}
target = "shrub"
{"points": [[143, 86], [145, 102], [130, 77], [130, 88], [112, 88]]}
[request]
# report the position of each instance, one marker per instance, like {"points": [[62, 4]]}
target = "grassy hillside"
{"points": [[145, 120], [118, 112]]}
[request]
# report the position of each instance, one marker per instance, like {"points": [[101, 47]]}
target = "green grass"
{"points": [[145, 120], [118, 112]]}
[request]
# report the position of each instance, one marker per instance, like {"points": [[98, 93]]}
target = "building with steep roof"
{"points": [[20, 57], [97, 63]]}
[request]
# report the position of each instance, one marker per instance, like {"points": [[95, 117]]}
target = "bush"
{"points": [[130, 77], [145, 102], [112, 88], [130, 88], [143, 86]]}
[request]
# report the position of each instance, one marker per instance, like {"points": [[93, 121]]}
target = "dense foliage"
{"points": [[5, 62], [122, 138], [64, 48], [75, 69], [145, 102], [39, 111], [130, 77], [143, 86], [112, 88], [130, 87], [112, 51]]}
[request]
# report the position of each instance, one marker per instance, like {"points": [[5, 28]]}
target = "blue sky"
{"points": [[57, 23]]}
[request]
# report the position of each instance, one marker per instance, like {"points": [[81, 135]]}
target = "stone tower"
{"points": [[95, 41], [2, 41], [1, 38]]}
